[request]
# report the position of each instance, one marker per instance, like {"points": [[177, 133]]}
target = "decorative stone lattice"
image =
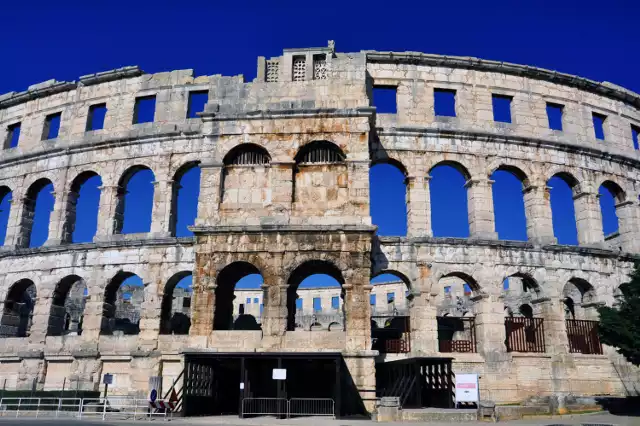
{"points": [[273, 70], [299, 66], [320, 68]]}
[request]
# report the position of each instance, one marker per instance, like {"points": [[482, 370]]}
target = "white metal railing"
{"points": [[122, 408], [293, 407]]}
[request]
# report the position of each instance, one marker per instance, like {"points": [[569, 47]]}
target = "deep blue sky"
{"points": [[63, 40]]}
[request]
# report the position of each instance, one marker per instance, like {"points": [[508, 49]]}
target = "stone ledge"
{"points": [[292, 109], [31, 354], [530, 355], [115, 357], [10, 359], [111, 75], [201, 229], [68, 358]]}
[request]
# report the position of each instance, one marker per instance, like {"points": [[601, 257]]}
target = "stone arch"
{"points": [[18, 306], [576, 293], [388, 196], [184, 199], [449, 199], [89, 178], [335, 326], [41, 188], [120, 313], [67, 307], [563, 188], [5, 210], [175, 312], [246, 175], [123, 194], [226, 280], [510, 202], [320, 175], [611, 195], [455, 164], [303, 270], [522, 290], [402, 277]]}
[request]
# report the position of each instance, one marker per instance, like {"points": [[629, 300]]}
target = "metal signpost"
{"points": [[107, 379]]}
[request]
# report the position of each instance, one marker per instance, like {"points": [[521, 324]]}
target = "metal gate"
{"points": [[294, 407]]}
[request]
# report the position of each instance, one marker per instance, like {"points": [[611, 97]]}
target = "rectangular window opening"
{"points": [[248, 300], [299, 304], [255, 300], [95, 118], [444, 102], [13, 135], [144, 109], [317, 304], [598, 125], [501, 108], [51, 126], [335, 302], [372, 300], [635, 136], [197, 102], [385, 99], [554, 115], [391, 297], [299, 70]]}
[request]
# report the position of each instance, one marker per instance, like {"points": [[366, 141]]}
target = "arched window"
{"points": [[18, 308], [246, 176], [610, 195], [175, 315], [320, 181], [449, 212], [508, 203], [184, 205], [67, 307], [320, 152], [563, 189], [388, 195], [122, 308], [83, 202], [38, 206], [311, 276], [135, 201], [231, 312], [578, 296], [456, 323], [5, 210]]}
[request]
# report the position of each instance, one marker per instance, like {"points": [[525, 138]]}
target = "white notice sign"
{"points": [[467, 388], [279, 374]]}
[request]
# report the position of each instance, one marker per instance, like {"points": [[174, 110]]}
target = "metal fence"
{"points": [[583, 337], [97, 408], [524, 334], [294, 407], [457, 334]]}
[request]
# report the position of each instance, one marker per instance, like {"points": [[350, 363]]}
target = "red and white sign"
{"points": [[467, 388], [162, 404]]}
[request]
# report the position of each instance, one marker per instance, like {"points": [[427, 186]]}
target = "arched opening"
{"points": [[175, 314], [122, 307], [184, 200], [508, 203], [388, 197], [563, 189], [610, 195], [456, 313], [523, 326], [135, 201], [519, 289], [390, 319], [5, 210], [67, 308], [38, 205], [314, 294], [246, 178], [579, 297], [449, 212], [17, 311], [83, 201], [230, 311], [320, 178]]}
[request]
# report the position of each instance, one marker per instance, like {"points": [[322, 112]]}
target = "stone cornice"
{"points": [[288, 113], [484, 136], [260, 229], [607, 89]]}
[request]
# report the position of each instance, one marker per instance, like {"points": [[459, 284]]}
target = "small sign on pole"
{"points": [[279, 374], [107, 379], [467, 388], [153, 395]]}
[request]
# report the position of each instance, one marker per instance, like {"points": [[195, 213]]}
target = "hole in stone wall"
{"points": [[13, 135], [175, 317], [501, 108], [96, 116], [233, 283], [609, 195], [135, 201], [5, 209], [598, 125], [122, 308], [635, 136], [144, 109], [51, 126], [83, 202], [37, 213], [449, 213], [18, 308], [67, 307], [562, 191], [388, 195], [554, 115], [444, 102], [197, 101], [184, 209], [385, 99], [508, 205]]}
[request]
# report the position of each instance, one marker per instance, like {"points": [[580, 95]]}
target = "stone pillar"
{"points": [[588, 219], [418, 207], [40, 317], [357, 316], [108, 215], [628, 222], [12, 236], [480, 205], [359, 189], [203, 302], [424, 325], [161, 213], [93, 308], [490, 329], [282, 187], [150, 312], [555, 327], [57, 228], [209, 199], [274, 315], [537, 205]]}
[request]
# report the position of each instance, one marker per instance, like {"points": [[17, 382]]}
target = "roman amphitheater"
{"points": [[284, 192]]}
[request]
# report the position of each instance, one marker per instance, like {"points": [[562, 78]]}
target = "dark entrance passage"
{"points": [[217, 383], [418, 382]]}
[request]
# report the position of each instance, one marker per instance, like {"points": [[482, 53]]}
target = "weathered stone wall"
{"points": [[287, 218]]}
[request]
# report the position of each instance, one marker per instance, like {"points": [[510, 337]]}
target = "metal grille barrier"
{"points": [[583, 337], [524, 334], [110, 408], [293, 407]]}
